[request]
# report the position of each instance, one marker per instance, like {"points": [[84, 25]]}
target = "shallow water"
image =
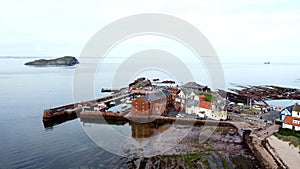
{"points": [[26, 91]]}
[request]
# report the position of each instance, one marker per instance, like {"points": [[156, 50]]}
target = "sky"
{"points": [[252, 28]]}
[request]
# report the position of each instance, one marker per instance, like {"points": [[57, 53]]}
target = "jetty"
{"points": [[143, 103], [75, 109]]}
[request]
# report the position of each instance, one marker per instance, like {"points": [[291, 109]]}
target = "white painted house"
{"points": [[292, 122], [182, 95], [205, 109], [191, 95], [286, 112]]}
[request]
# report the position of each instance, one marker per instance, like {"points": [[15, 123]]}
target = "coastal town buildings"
{"points": [[181, 95], [205, 109], [286, 112], [150, 102], [291, 118], [198, 105]]}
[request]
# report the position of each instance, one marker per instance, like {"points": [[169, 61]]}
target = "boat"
{"points": [[266, 63]]}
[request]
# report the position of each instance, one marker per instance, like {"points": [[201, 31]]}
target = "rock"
{"points": [[62, 61], [140, 83]]}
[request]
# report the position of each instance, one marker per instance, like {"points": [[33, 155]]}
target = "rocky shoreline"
{"points": [[224, 149], [269, 92], [245, 94]]}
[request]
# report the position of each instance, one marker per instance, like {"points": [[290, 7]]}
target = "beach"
{"points": [[289, 154]]}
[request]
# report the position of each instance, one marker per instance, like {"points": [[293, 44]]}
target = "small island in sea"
{"points": [[62, 61]]}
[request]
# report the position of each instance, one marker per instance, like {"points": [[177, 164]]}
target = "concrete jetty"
{"points": [[76, 108]]}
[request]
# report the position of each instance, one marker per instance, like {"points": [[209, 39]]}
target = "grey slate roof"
{"points": [[190, 103], [296, 107], [157, 95], [193, 85]]}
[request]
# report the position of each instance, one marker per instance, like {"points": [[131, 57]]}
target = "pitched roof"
{"points": [[292, 120], [202, 96], [191, 103], [156, 95], [173, 90], [166, 92], [205, 105], [159, 105], [296, 107], [289, 108], [193, 85]]}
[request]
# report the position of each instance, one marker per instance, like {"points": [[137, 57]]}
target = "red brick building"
{"points": [[153, 103]]}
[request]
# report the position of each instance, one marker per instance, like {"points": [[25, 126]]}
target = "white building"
{"points": [[292, 122], [205, 110], [182, 95]]}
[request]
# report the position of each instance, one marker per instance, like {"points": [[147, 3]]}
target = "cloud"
{"points": [[233, 27]]}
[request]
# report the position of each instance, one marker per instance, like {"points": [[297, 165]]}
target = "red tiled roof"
{"points": [[158, 105], [144, 91], [292, 121], [205, 104], [202, 97], [173, 90]]}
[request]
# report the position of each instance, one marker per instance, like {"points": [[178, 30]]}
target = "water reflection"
{"points": [[49, 124], [138, 131], [131, 139]]}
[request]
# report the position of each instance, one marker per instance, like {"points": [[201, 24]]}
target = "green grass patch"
{"points": [[225, 162], [189, 158], [288, 135], [208, 97], [250, 111]]}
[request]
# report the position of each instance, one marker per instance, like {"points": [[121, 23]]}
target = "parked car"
{"points": [[179, 115], [199, 118]]}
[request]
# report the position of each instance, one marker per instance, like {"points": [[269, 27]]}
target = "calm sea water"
{"points": [[26, 91], [24, 142]]}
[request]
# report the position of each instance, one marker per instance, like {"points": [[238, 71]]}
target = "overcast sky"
{"points": [[235, 28]]}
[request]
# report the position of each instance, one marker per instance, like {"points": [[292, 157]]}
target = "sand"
{"points": [[289, 155]]}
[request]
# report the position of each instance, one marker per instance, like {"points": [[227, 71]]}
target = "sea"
{"points": [[25, 91]]}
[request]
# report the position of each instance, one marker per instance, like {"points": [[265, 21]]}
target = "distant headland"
{"points": [[62, 61]]}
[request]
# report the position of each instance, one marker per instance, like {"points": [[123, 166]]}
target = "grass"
{"points": [[201, 156], [225, 162], [188, 158], [250, 111], [288, 135], [208, 97]]}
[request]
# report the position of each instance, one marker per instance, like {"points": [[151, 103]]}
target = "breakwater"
{"points": [[76, 108]]}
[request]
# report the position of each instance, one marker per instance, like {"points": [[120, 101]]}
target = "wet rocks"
{"points": [[260, 93], [221, 150]]}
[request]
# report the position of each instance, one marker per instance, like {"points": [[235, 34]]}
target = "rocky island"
{"points": [[62, 61]]}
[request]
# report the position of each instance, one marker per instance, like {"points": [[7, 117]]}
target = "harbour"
{"points": [[27, 143]]}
